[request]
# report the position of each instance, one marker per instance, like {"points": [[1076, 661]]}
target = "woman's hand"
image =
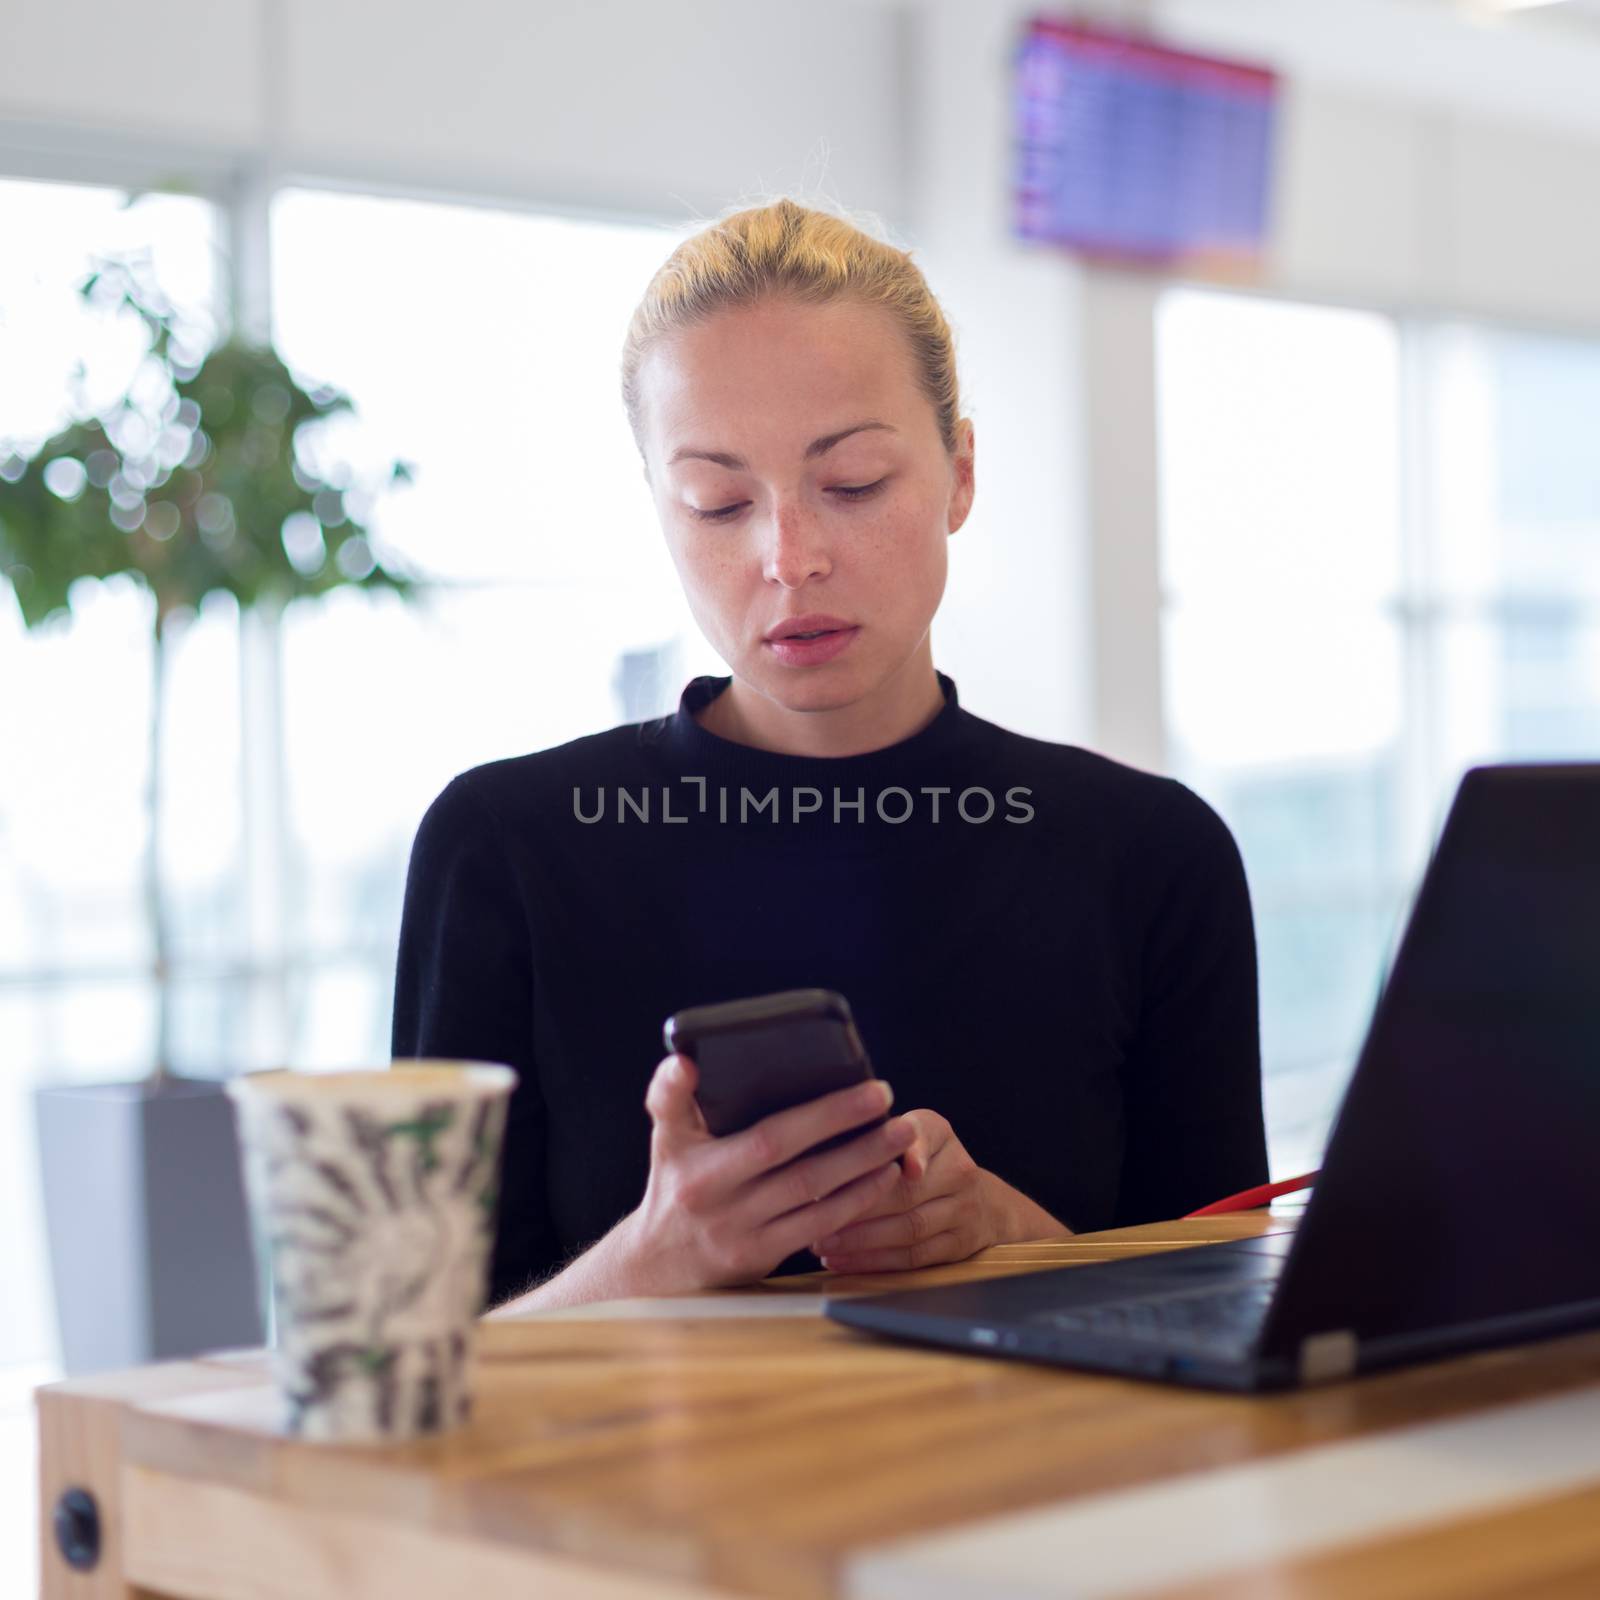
{"points": [[943, 1207], [725, 1211]]}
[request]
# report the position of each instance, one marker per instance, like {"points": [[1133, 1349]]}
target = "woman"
{"points": [[1050, 955]]}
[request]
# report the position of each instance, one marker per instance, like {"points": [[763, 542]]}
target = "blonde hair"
{"points": [[811, 255]]}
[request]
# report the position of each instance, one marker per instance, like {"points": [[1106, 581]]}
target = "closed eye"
{"points": [[850, 492]]}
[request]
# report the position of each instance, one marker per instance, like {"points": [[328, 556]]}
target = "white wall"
{"points": [[622, 105], [1427, 208], [672, 109], [163, 67], [1427, 54]]}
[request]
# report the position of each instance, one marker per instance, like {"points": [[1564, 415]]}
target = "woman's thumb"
{"points": [[670, 1097]]}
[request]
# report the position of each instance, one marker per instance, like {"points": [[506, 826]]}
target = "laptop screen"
{"points": [[1462, 1179]]}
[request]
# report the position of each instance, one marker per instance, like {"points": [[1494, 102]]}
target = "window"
{"points": [[1510, 559], [1380, 555]]}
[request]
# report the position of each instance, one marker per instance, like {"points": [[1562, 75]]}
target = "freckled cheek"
{"points": [[901, 555], [724, 579], [719, 586]]}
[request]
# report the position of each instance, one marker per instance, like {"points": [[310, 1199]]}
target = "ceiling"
{"points": [[1583, 14]]}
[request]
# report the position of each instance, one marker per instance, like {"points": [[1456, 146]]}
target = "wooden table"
{"points": [[642, 1451]]}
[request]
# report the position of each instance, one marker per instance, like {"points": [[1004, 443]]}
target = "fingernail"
{"points": [[887, 1092]]}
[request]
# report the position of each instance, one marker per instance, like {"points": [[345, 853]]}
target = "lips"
{"points": [[811, 622], [813, 652]]}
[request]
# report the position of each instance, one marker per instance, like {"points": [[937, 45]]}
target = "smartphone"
{"points": [[771, 1052]]}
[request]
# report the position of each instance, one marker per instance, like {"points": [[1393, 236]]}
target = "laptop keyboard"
{"points": [[1229, 1314]]}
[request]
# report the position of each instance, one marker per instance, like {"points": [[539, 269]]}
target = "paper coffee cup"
{"points": [[372, 1198]]}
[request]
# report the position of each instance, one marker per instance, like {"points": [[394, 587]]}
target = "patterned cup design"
{"points": [[373, 1196]]}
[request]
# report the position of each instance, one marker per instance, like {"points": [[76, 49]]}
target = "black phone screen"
{"points": [[751, 1068]]}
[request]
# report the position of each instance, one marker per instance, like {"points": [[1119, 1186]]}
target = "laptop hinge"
{"points": [[1325, 1357]]}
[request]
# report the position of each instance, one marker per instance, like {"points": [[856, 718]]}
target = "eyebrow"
{"points": [[817, 447]]}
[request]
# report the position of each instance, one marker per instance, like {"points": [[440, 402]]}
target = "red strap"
{"points": [[1248, 1199]]}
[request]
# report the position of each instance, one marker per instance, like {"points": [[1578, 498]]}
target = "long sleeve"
{"points": [[464, 991], [1194, 1129]]}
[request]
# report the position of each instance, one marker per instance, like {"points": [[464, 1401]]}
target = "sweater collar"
{"points": [[941, 745]]}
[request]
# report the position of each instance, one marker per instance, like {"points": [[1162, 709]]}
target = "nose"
{"points": [[796, 547]]}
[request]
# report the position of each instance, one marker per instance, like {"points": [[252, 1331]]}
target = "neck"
{"points": [[903, 705]]}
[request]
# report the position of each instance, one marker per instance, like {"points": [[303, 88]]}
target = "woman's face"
{"points": [[777, 503]]}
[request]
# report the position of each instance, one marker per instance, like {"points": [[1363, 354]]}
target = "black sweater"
{"points": [[1052, 950]]}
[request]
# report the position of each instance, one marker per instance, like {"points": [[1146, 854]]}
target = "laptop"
{"points": [[1458, 1205]]}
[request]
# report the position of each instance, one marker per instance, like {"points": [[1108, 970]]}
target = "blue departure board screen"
{"points": [[1129, 150]]}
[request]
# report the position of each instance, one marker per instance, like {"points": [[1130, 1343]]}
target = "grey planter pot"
{"points": [[150, 1246]]}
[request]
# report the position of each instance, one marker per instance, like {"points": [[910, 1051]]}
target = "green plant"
{"points": [[199, 480]]}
